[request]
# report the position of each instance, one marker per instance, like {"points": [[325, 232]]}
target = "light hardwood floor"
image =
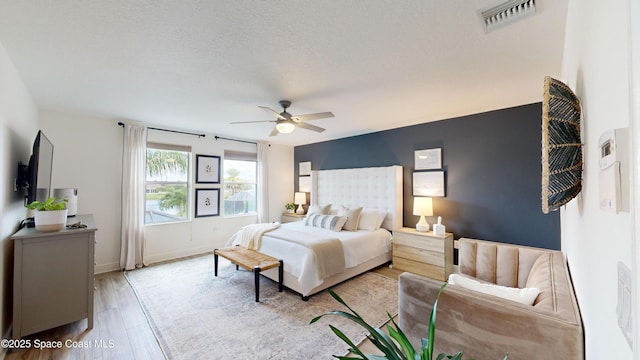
{"points": [[120, 330], [120, 326]]}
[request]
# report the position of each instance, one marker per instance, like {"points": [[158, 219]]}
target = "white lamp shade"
{"points": [[300, 198], [423, 206], [285, 127]]}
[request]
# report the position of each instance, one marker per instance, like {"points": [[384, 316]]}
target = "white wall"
{"points": [[596, 66], [88, 156], [18, 129], [634, 16]]}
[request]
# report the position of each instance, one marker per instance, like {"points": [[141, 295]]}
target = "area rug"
{"points": [[196, 315]]}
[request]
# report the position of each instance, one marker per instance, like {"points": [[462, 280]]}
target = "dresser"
{"points": [[423, 253], [53, 277]]}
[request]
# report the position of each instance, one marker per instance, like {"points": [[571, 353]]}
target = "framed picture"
{"points": [[428, 159], [428, 183], [304, 168], [304, 183], [207, 202], [207, 169]]}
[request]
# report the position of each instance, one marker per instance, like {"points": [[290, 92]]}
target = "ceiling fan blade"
{"points": [[249, 122], [274, 132], [272, 112], [309, 127], [307, 117]]}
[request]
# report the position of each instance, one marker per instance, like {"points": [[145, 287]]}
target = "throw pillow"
{"points": [[353, 216], [317, 209], [524, 296], [329, 222]]}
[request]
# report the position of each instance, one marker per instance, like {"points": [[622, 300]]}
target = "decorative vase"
{"points": [[289, 211], [47, 221]]}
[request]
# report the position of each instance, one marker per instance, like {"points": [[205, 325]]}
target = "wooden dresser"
{"points": [[423, 253], [53, 277]]}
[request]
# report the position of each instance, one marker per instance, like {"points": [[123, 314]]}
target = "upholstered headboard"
{"points": [[375, 188]]}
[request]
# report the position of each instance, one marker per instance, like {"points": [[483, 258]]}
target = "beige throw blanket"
{"points": [[251, 235], [328, 251]]}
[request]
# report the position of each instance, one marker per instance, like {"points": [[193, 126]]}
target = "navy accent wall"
{"points": [[492, 172]]}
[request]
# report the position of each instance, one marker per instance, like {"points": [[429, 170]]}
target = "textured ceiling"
{"points": [[198, 65]]}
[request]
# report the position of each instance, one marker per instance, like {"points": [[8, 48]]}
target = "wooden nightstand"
{"points": [[423, 253], [288, 217]]}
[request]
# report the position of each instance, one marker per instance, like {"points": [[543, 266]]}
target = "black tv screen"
{"points": [[40, 166]]}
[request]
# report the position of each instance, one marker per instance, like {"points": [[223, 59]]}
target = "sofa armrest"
{"points": [[484, 326]]}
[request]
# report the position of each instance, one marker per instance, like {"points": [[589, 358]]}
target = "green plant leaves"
{"points": [[51, 204]]}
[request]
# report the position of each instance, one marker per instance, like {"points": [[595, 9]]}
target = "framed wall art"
{"points": [[428, 183], [207, 202], [428, 159], [207, 169], [304, 168], [304, 183]]}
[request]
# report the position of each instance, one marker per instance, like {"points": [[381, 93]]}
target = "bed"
{"points": [[377, 190]]}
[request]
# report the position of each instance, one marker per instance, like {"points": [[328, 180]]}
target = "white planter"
{"points": [[50, 220]]}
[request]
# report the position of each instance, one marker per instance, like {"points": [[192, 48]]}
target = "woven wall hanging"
{"points": [[561, 145]]}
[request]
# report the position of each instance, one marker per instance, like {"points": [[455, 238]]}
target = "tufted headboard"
{"points": [[375, 188]]}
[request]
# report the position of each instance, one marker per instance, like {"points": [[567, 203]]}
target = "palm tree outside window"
{"points": [[167, 183], [240, 178]]}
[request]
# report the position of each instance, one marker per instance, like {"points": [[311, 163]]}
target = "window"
{"points": [[167, 183], [240, 177]]}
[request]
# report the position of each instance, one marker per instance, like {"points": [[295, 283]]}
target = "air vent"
{"points": [[506, 13]]}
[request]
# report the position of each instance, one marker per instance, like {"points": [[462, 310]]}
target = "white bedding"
{"points": [[359, 247]]}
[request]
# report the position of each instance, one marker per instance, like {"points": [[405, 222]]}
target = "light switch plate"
{"points": [[624, 307]]}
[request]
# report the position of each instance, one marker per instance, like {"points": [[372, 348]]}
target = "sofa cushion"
{"points": [[502, 264], [540, 277], [524, 296]]}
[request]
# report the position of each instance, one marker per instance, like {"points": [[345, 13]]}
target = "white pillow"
{"points": [[381, 216], [329, 222], [317, 209], [353, 215], [524, 296], [369, 219]]}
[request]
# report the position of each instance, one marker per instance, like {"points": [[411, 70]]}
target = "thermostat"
{"points": [[614, 170]]}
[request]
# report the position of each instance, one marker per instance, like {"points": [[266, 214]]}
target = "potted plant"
{"points": [[49, 215], [290, 207]]}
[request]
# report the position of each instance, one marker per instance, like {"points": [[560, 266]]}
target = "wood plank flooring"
{"points": [[120, 331]]}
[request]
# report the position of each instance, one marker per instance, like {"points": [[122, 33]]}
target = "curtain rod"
{"points": [[242, 141], [167, 130]]}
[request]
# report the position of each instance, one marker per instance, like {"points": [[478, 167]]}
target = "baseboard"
{"points": [[172, 255], [177, 254], [105, 268]]}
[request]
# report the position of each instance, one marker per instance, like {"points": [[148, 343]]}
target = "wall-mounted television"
{"points": [[36, 177]]}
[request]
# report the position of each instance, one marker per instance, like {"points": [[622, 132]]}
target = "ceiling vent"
{"points": [[506, 13]]}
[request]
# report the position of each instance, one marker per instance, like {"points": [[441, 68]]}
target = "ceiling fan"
{"points": [[286, 123]]}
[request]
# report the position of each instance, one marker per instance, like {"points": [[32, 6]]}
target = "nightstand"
{"points": [[288, 217], [423, 253]]}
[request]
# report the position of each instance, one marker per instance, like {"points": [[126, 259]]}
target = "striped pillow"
{"points": [[329, 222]]}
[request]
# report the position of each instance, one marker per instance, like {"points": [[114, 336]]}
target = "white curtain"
{"points": [[263, 183], [134, 159]]}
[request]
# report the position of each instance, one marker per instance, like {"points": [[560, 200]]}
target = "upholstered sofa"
{"points": [[487, 327]]}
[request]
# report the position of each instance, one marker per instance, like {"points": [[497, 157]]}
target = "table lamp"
{"points": [[422, 206], [300, 198]]}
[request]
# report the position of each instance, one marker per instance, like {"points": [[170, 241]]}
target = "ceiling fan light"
{"points": [[285, 127]]}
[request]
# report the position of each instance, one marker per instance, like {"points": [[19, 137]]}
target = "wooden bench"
{"points": [[250, 260]]}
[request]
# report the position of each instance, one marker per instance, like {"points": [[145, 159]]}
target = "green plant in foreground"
{"points": [[51, 204], [290, 206], [400, 349]]}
